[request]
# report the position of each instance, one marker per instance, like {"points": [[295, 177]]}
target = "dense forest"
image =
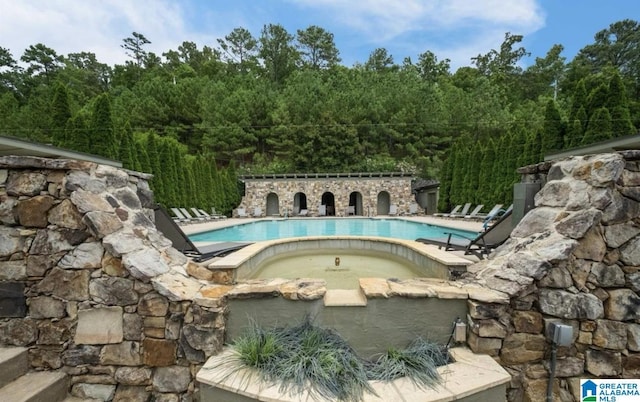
{"points": [[281, 102]]}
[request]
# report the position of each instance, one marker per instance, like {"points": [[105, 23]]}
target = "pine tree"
{"points": [[553, 129], [444, 203], [486, 174], [168, 174], [77, 135], [618, 105], [60, 114], [599, 127], [154, 163], [579, 100], [102, 134], [597, 99], [127, 153]]}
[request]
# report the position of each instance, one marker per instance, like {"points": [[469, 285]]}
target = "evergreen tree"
{"points": [[486, 174], [168, 174], [553, 129], [127, 153], [599, 127], [77, 135], [157, 184], [574, 134], [444, 196], [621, 124], [579, 100], [60, 114], [597, 99], [102, 138], [618, 105]]}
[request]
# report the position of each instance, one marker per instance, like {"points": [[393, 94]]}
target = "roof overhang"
{"points": [[613, 145], [20, 147]]}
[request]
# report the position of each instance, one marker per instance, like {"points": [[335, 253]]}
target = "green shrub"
{"points": [[319, 360]]}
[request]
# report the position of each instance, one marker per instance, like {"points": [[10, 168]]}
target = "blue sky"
{"points": [[453, 29]]}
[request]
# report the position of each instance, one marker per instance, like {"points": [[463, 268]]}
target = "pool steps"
{"points": [[345, 298]]}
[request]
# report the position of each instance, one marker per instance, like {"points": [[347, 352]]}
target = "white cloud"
{"points": [[69, 26], [454, 29]]}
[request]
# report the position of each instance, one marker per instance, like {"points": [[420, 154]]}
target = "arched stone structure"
{"points": [[337, 192]]}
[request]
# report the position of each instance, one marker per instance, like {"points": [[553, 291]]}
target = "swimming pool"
{"points": [[270, 229]]}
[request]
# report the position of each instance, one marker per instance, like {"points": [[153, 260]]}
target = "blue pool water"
{"points": [[267, 229]]}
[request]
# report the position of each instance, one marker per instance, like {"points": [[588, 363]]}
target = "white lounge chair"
{"points": [[413, 209], [303, 212], [475, 211], [322, 210], [191, 218], [351, 210], [178, 216], [393, 210], [453, 211], [242, 213], [493, 211], [257, 212], [216, 214], [465, 210], [200, 215]]}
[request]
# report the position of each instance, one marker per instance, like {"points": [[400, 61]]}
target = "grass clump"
{"points": [[318, 360]]}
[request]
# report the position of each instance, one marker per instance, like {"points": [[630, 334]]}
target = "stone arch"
{"points": [[355, 204], [299, 202], [383, 204], [273, 204], [328, 200]]}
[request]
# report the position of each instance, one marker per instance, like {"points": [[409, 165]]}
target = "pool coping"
{"points": [[469, 374], [236, 259]]}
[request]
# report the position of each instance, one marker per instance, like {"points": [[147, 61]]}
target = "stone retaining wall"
{"points": [[92, 288], [575, 260]]}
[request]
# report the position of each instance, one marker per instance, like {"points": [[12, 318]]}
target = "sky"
{"points": [[451, 29]]}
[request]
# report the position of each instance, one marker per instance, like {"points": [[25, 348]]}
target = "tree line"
{"points": [[281, 103]]}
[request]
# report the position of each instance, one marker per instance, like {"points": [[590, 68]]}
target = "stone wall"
{"points": [[398, 188], [93, 289], [574, 260]]}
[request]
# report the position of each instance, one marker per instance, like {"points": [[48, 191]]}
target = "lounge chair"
{"points": [[492, 212], [209, 216], [413, 209], [303, 212], [257, 212], [481, 245], [462, 213], [322, 210], [475, 211], [191, 217], [488, 221], [200, 215], [393, 210], [242, 213], [453, 211], [351, 210], [216, 214], [181, 241], [178, 217]]}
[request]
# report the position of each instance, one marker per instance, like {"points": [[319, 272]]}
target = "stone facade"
{"points": [[93, 289], [90, 286], [369, 194], [572, 260]]}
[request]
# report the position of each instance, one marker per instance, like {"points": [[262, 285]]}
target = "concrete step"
{"points": [[42, 386], [14, 362]]}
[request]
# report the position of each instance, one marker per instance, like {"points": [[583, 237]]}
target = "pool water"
{"points": [[340, 268], [269, 229]]}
